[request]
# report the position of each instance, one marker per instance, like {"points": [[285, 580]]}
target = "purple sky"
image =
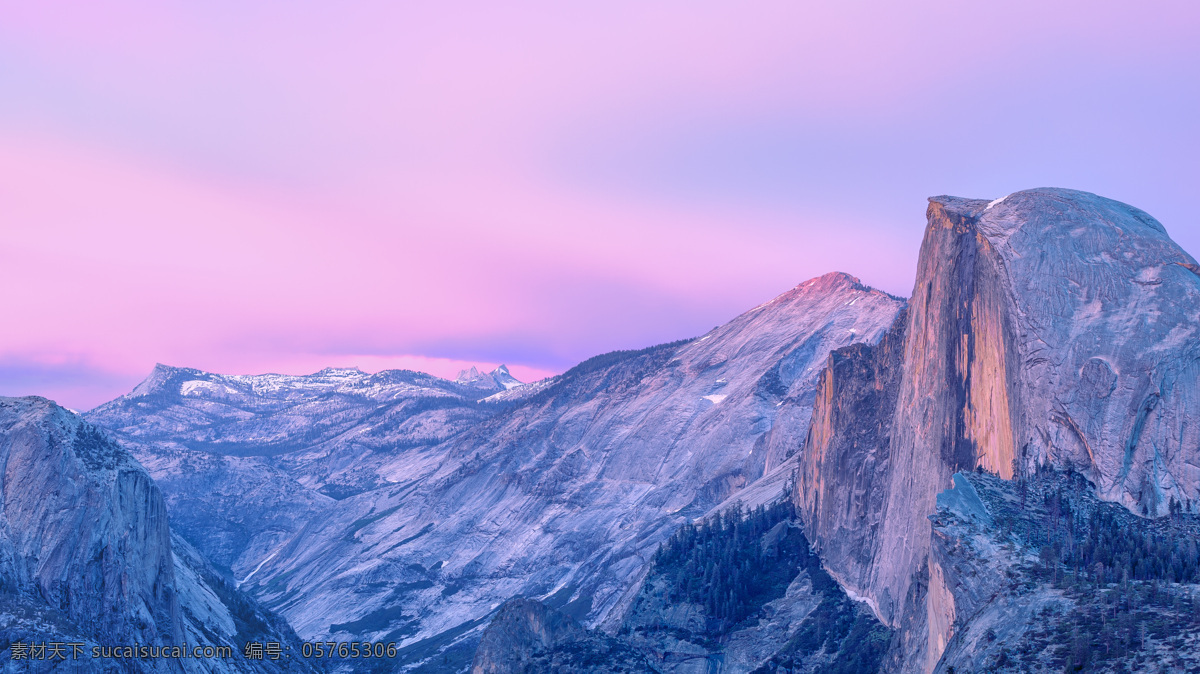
{"points": [[279, 186]]}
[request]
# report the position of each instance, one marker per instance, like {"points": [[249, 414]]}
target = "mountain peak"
{"points": [[832, 281], [504, 378], [158, 378], [468, 376], [499, 378]]}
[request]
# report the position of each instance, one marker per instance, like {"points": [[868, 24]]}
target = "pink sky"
{"points": [[253, 187]]}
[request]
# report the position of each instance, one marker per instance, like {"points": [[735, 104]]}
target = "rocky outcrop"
{"points": [[499, 379], [1048, 327], [1041, 579], [521, 628], [526, 637]]}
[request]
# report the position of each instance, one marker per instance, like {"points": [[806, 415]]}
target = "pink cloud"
{"points": [[261, 187]]}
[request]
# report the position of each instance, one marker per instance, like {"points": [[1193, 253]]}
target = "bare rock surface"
{"points": [[1050, 327], [83, 526], [1032, 591]]}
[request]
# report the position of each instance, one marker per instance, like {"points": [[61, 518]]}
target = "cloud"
{"points": [[245, 188]]}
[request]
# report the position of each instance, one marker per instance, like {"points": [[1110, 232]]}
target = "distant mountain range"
{"points": [[836, 480]]}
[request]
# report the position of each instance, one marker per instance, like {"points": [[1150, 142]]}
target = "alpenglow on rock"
{"points": [[1050, 327]]}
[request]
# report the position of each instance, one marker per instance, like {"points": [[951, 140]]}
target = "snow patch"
{"points": [[197, 387], [716, 398], [996, 201], [238, 584]]}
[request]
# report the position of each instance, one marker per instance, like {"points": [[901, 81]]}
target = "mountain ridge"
{"points": [[757, 372]]}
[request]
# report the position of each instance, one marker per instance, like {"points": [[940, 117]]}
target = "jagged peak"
{"points": [[469, 375], [497, 378], [504, 378]]}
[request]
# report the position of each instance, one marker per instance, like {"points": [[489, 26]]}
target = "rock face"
{"points": [[1048, 327], [521, 627], [86, 553], [526, 637], [1019, 607], [84, 527]]}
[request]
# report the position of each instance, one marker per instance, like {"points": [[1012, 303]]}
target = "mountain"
{"points": [[564, 491], [1006, 477], [245, 461], [999, 474], [86, 556], [1048, 329], [568, 494], [500, 378], [332, 413]]}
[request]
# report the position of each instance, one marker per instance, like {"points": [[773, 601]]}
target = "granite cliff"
{"points": [[1048, 328], [86, 556]]}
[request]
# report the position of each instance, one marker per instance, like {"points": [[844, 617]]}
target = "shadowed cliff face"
{"points": [[842, 481], [86, 557], [520, 627], [83, 527], [1049, 327]]}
